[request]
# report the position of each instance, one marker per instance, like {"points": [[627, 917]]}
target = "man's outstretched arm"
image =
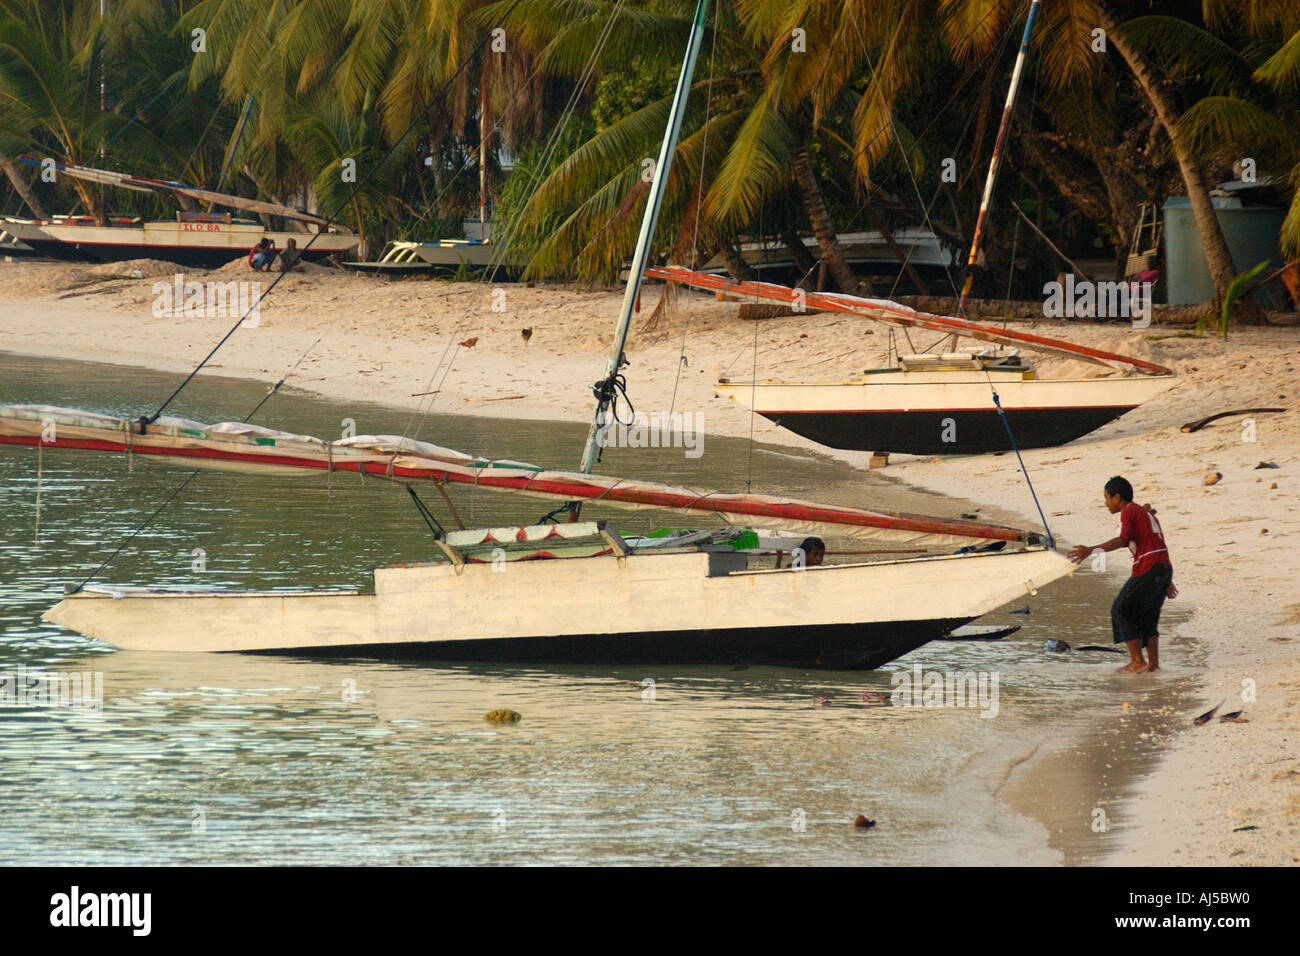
{"points": [[1079, 552]]}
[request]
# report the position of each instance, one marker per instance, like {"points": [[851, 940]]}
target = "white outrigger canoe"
{"points": [[937, 404], [575, 592], [680, 606]]}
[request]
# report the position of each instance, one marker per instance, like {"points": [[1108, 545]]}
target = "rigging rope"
{"points": [[1051, 540], [157, 511], [439, 532]]}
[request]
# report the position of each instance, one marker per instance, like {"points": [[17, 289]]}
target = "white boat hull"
{"points": [[945, 412], [637, 609], [199, 244]]}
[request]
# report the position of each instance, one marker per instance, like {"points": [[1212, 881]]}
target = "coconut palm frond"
{"points": [[592, 236], [308, 30], [568, 31], [1281, 71], [1222, 125], [873, 127], [375, 34], [1256, 16], [1191, 50], [1066, 41], [611, 152], [239, 35], [972, 28], [759, 160], [1290, 238]]}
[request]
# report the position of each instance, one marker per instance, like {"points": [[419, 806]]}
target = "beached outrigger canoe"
{"points": [[198, 239], [948, 403], [576, 592]]}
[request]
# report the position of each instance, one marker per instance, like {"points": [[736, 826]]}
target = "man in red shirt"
{"points": [[1135, 615]]}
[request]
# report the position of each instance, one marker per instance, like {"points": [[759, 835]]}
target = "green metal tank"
{"points": [[1252, 233]]}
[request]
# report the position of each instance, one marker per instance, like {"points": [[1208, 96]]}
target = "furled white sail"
{"points": [[255, 448]]}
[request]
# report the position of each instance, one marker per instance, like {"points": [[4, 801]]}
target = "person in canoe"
{"points": [[810, 553], [1135, 615], [814, 551]]}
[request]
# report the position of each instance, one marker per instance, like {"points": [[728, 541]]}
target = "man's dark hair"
{"points": [[812, 544], [1120, 486]]}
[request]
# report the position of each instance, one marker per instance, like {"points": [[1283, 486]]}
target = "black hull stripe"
{"points": [[828, 647], [194, 256], [922, 432]]}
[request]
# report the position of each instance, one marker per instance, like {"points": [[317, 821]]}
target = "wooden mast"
{"points": [[605, 388], [993, 163]]}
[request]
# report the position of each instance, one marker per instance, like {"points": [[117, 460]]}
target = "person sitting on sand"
{"points": [[261, 255], [1135, 615], [291, 258]]}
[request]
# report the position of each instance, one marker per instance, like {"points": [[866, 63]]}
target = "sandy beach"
{"points": [[462, 349]]}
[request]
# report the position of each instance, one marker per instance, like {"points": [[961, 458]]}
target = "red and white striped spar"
{"points": [[254, 449], [884, 310]]}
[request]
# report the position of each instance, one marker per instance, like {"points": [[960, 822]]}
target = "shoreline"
{"points": [[1228, 560]]}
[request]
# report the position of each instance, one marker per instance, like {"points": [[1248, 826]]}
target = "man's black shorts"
{"points": [[1135, 615]]}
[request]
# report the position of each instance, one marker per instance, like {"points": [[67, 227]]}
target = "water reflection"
{"points": [[230, 759]]}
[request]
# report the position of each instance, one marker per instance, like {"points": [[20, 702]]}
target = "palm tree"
{"points": [[745, 144], [1244, 124], [382, 63], [1155, 88], [49, 97], [901, 40]]}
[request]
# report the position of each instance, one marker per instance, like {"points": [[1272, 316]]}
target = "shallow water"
{"points": [[231, 759]]}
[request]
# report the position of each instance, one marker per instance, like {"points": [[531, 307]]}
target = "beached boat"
{"points": [[938, 404], [198, 239], [10, 245], [576, 591], [397, 261], [453, 254], [445, 257], [707, 596], [868, 253]]}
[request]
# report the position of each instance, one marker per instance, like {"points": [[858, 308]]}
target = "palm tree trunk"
{"points": [[736, 264], [822, 226], [1222, 271], [22, 188], [803, 260], [903, 257]]}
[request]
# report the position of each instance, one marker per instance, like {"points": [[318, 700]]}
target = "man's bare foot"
{"points": [[1150, 668], [1133, 667]]}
